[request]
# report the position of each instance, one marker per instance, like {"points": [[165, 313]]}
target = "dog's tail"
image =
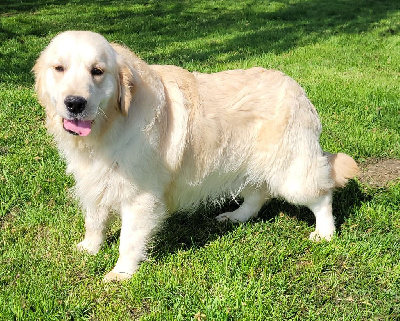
{"points": [[343, 168]]}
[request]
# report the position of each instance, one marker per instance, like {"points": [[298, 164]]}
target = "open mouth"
{"points": [[77, 127]]}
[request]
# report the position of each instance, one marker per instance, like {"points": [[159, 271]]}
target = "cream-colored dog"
{"points": [[145, 141]]}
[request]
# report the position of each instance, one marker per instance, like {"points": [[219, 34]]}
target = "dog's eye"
{"points": [[59, 68], [96, 71]]}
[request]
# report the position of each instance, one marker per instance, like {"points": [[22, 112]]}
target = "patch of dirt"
{"points": [[380, 173]]}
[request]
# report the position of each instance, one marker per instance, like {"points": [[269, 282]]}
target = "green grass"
{"points": [[344, 53]]}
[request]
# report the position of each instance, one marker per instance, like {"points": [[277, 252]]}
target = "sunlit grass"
{"points": [[344, 53]]}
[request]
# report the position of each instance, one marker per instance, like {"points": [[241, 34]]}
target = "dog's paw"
{"points": [[235, 217], [224, 217], [89, 247], [316, 236], [116, 276]]}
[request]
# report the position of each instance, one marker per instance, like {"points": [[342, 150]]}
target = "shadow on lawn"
{"points": [[251, 28], [184, 231]]}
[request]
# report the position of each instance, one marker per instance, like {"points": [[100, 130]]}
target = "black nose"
{"points": [[75, 104]]}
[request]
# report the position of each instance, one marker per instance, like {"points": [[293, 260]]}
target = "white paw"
{"points": [[316, 236], [116, 276], [226, 217], [235, 217], [87, 246]]}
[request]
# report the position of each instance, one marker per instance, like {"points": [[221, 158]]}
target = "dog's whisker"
{"points": [[102, 115]]}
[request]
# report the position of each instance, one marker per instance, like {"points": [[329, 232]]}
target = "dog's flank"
{"points": [[149, 140]]}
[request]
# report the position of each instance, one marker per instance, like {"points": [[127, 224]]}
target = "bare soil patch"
{"points": [[380, 172]]}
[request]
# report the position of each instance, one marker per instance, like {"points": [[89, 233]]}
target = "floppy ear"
{"points": [[127, 88], [39, 70], [128, 77]]}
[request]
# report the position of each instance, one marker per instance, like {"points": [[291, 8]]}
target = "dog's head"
{"points": [[78, 76]]}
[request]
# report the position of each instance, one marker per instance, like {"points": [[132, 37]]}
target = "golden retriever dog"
{"points": [[147, 140]]}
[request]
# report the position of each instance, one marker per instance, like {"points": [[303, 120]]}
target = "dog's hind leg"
{"points": [[324, 225], [253, 200]]}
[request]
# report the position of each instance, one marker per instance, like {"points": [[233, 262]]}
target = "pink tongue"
{"points": [[80, 127]]}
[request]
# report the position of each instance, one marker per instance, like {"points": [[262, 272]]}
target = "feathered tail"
{"points": [[343, 168]]}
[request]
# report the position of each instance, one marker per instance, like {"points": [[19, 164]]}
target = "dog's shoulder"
{"points": [[180, 84]]}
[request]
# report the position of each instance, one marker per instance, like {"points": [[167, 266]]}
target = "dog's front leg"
{"points": [[140, 220], [96, 220]]}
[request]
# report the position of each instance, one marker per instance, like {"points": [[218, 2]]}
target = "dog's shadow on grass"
{"points": [[183, 231]]}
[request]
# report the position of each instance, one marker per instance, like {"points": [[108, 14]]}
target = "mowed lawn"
{"points": [[345, 53]]}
